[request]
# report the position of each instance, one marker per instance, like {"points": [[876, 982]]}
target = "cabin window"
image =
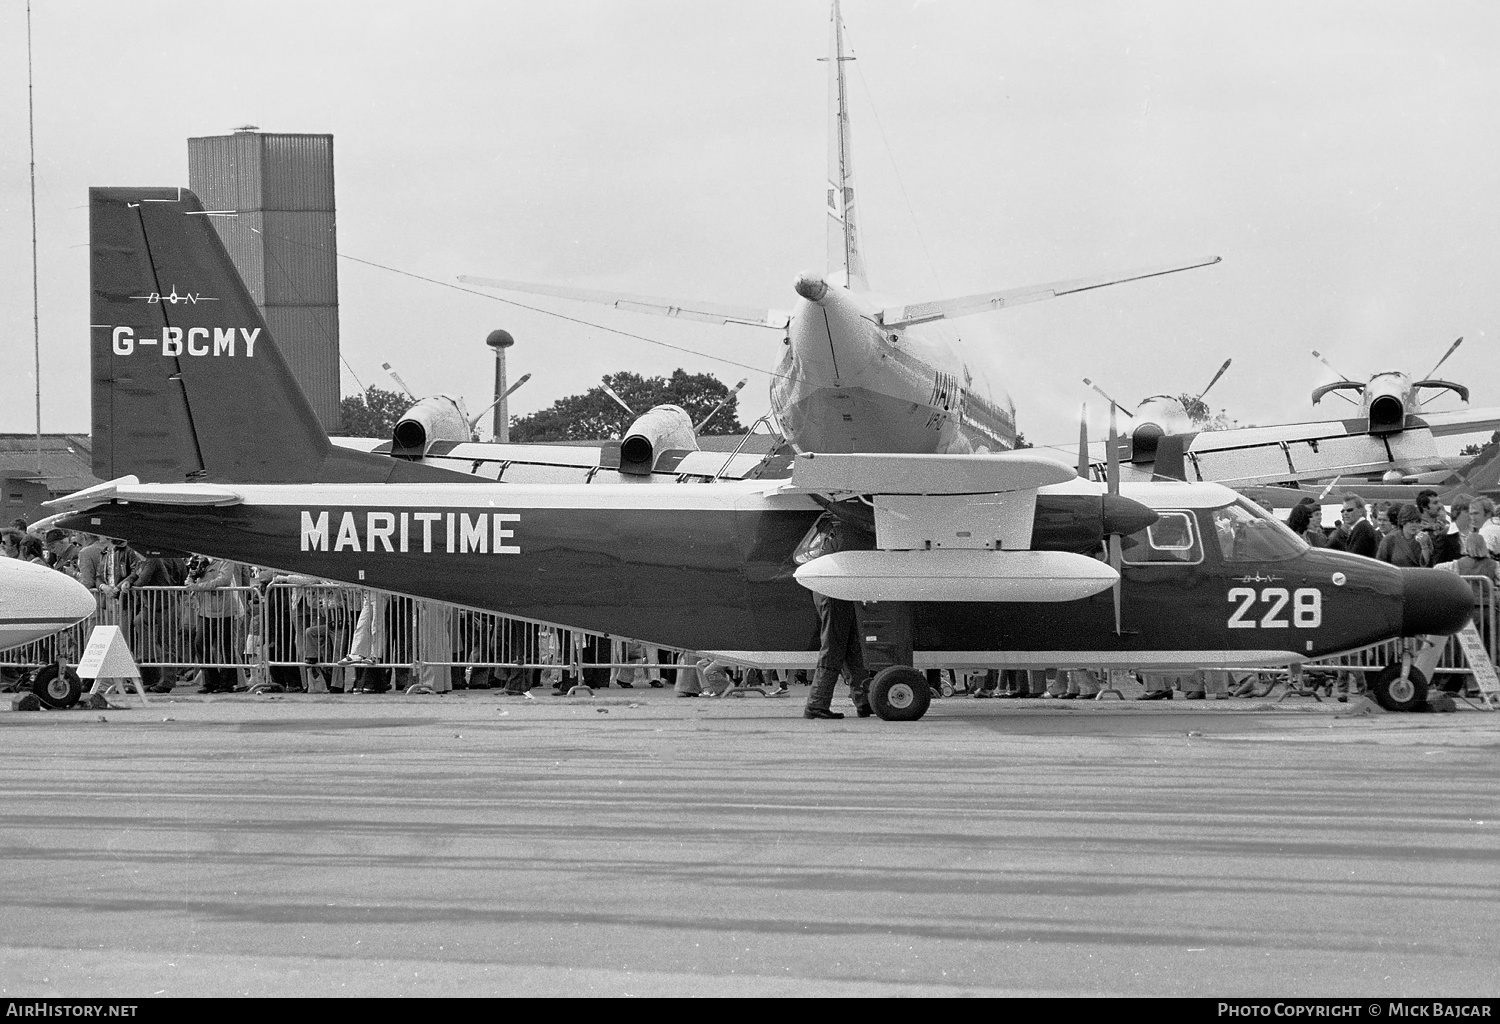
{"points": [[1246, 533], [1171, 540]]}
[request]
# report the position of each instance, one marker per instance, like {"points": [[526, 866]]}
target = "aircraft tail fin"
{"points": [[1480, 477], [187, 383], [844, 254]]}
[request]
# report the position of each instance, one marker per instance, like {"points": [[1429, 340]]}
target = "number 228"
{"points": [[1306, 602]]}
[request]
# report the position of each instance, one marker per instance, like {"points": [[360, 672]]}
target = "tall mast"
{"points": [[36, 322], [844, 255]]}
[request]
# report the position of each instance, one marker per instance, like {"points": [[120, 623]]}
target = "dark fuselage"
{"points": [[710, 568]]}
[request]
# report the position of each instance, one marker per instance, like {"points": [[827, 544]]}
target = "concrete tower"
{"points": [[283, 242]]}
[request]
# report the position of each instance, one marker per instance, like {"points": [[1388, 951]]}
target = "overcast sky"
{"points": [[1340, 157]]}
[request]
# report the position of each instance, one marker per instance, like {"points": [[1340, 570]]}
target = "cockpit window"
{"points": [[1172, 539], [1246, 533]]}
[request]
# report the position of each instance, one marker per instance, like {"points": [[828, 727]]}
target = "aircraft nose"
{"points": [[1434, 601], [70, 597]]}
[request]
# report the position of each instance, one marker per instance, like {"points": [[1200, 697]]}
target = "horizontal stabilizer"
{"points": [[705, 312], [967, 575], [129, 488], [924, 474], [921, 312]]}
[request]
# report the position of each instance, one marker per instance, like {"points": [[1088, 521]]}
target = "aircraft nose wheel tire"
{"points": [[899, 694], [54, 690], [1396, 694]]}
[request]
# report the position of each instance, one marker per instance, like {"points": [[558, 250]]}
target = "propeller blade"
{"points": [[1116, 559], [1112, 403], [1112, 477], [1217, 376], [611, 393], [474, 420], [1451, 349], [1083, 442], [409, 394], [1112, 485], [1329, 489], [1319, 357], [723, 402], [512, 389]]}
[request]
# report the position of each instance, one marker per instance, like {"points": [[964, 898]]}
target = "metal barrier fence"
{"points": [[287, 625]]}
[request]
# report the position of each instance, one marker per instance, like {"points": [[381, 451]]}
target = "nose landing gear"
{"points": [[1396, 690]]}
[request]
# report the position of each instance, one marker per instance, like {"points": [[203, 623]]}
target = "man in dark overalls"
{"points": [[839, 648]]}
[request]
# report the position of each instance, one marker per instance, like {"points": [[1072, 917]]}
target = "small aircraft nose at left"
{"points": [[36, 601]]}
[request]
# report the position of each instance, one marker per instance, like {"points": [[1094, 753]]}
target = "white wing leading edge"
{"points": [[705, 312], [922, 312]]}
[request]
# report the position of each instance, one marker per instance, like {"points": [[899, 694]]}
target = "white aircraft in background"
{"points": [[859, 374], [36, 601], [1391, 440]]}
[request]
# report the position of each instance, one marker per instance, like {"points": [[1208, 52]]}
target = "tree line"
{"points": [[591, 416]]}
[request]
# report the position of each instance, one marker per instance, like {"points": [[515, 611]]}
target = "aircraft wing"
{"points": [[1297, 451], [705, 312], [836, 475], [921, 312], [1461, 421], [565, 463]]}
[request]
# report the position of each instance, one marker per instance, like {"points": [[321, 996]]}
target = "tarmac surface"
{"points": [[632, 843]]}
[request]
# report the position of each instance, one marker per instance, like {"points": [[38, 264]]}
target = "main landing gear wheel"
{"points": [[56, 690], [899, 694], [1396, 694]]}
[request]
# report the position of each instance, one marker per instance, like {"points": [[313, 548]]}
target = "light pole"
{"points": [[500, 341]]}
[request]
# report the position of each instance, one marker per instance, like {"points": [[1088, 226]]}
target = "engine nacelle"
{"points": [[438, 418], [1155, 418], [1386, 401], [660, 428]]}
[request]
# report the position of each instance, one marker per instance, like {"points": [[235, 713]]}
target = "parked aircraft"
{"points": [[1391, 439], [1158, 416], [36, 601], [859, 374], [996, 560], [983, 560], [1389, 399]]}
